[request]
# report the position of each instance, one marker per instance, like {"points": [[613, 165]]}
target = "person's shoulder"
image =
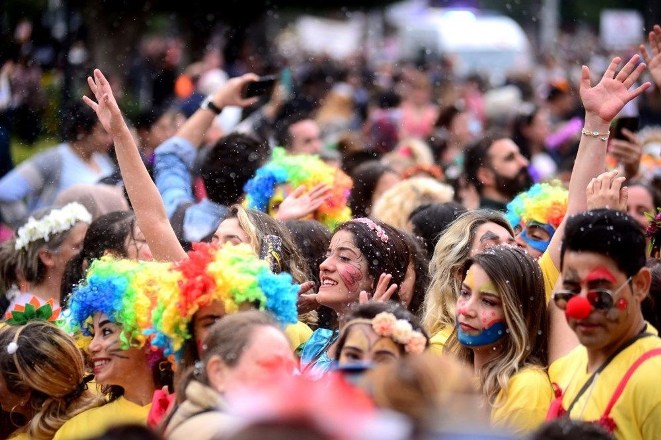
{"points": [[298, 333], [93, 421], [572, 360], [50, 154], [319, 340], [439, 339], [531, 378]]}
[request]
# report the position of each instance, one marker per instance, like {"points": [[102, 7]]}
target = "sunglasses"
{"points": [[600, 299]]}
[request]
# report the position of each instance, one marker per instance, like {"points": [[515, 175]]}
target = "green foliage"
{"points": [[21, 151]]}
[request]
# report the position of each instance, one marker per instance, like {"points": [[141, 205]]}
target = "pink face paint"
{"points": [[351, 275], [600, 273], [462, 311], [489, 324]]}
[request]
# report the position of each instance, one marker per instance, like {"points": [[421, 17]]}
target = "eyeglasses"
{"points": [[601, 299]]}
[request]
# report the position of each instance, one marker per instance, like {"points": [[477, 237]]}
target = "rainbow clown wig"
{"points": [[544, 205], [125, 291], [231, 275], [286, 172]]}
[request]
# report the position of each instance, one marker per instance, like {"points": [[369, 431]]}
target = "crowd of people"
{"points": [[411, 257]]}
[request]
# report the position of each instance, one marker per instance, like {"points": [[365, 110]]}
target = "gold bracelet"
{"points": [[596, 134]]}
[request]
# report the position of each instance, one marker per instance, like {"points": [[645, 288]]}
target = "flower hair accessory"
{"points": [[653, 232], [374, 227], [399, 330], [33, 310], [58, 220], [12, 347]]}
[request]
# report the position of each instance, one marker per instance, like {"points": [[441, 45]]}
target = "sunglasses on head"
{"points": [[600, 299]]}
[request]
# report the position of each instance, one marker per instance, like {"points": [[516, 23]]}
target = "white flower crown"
{"points": [[58, 220]]}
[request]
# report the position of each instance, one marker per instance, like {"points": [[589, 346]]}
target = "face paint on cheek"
{"points": [[614, 313], [486, 318], [115, 351], [622, 304], [487, 336], [351, 275]]}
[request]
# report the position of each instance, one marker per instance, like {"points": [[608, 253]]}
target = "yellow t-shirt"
{"points": [[96, 421], [298, 334], [523, 408], [438, 340], [20, 436], [637, 412], [550, 273]]}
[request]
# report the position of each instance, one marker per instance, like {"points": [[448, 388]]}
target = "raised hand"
{"points": [[300, 202], [230, 92], [606, 191], [105, 107], [383, 292], [307, 302], [654, 60], [606, 98]]}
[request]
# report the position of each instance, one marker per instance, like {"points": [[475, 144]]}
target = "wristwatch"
{"points": [[209, 105]]}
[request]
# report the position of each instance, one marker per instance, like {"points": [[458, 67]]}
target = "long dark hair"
{"points": [[365, 179], [106, 234], [384, 254]]}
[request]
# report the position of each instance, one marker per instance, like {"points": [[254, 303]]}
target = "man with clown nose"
{"points": [[611, 378]]}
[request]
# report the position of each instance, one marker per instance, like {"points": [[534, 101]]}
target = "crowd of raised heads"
{"points": [[396, 259]]}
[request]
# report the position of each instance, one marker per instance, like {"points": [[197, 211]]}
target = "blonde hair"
{"points": [[520, 284], [48, 367], [396, 204], [450, 254], [258, 225], [427, 386], [407, 153]]}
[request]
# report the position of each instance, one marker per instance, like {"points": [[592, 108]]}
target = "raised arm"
{"points": [[654, 60], [195, 127], [144, 196], [602, 103]]}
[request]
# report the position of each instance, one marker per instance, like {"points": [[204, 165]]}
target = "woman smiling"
{"points": [[113, 306], [363, 255]]}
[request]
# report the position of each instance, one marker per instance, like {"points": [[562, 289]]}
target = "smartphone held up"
{"points": [[629, 122], [262, 88]]}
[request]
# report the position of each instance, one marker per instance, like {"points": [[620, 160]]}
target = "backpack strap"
{"points": [[623, 382]]}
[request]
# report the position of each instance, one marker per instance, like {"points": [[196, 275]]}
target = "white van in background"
{"points": [[489, 44]]}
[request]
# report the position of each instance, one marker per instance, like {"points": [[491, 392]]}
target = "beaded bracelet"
{"points": [[596, 134]]}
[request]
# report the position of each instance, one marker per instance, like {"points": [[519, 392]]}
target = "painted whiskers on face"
{"points": [[102, 349]]}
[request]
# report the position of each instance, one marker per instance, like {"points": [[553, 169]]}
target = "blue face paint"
{"points": [[487, 336], [538, 245]]}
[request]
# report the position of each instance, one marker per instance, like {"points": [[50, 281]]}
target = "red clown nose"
{"points": [[578, 308]]}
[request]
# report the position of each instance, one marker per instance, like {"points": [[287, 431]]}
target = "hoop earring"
{"points": [[11, 416]]}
